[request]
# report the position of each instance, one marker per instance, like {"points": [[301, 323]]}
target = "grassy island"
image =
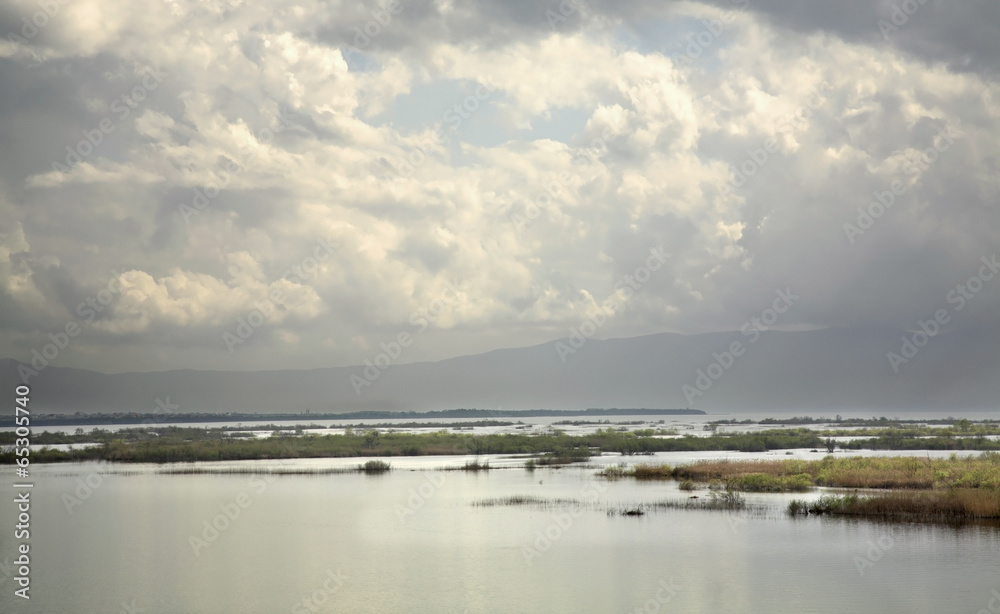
{"points": [[916, 488], [177, 444]]}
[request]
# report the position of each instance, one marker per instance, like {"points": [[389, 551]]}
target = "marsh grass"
{"points": [[646, 471], [249, 471], [727, 500], [528, 500], [792, 475], [474, 465], [564, 457], [724, 501], [615, 471], [762, 482], [627, 510], [950, 505], [174, 444], [375, 466]]}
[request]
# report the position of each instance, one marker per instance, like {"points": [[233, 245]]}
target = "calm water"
{"points": [[412, 541], [693, 425]]}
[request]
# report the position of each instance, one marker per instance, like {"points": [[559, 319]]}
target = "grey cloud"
{"points": [[964, 35], [326, 174]]}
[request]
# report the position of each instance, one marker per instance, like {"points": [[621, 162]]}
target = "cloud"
{"points": [[542, 163]]}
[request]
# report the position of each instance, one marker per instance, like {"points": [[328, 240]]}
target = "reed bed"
{"points": [[531, 500], [375, 466], [726, 501], [473, 465], [973, 472], [251, 471], [951, 505]]}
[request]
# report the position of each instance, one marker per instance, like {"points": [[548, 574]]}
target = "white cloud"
{"points": [[261, 111]]}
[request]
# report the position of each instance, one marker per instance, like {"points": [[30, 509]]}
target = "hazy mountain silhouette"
{"points": [[831, 369]]}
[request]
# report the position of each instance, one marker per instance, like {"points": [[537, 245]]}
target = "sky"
{"points": [[244, 185]]}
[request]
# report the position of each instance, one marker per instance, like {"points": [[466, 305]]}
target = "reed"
{"points": [[975, 472], [375, 466], [515, 500], [951, 505], [475, 465], [249, 471]]}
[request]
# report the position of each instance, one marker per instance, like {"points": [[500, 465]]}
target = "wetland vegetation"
{"points": [[159, 444], [951, 489], [178, 444], [981, 471]]}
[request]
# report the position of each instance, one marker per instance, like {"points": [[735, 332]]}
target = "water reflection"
{"points": [[412, 541]]}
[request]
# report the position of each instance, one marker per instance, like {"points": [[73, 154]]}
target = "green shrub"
{"points": [[375, 466]]}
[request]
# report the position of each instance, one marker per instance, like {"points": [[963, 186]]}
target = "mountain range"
{"points": [[851, 368]]}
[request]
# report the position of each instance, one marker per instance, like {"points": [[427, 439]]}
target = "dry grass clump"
{"points": [[704, 471], [527, 500], [645, 471], [952, 505], [475, 465], [375, 466], [762, 482], [895, 472]]}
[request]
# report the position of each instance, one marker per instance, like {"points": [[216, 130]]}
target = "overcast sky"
{"points": [[484, 174]]}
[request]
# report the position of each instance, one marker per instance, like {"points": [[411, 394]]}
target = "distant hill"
{"points": [[831, 369]]}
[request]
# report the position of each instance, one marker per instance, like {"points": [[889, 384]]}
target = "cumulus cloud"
{"points": [[358, 161]]}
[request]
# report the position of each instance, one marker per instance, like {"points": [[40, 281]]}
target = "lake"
{"points": [[413, 540]]}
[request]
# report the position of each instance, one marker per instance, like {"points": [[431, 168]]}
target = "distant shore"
{"points": [[165, 444], [116, 418]]}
